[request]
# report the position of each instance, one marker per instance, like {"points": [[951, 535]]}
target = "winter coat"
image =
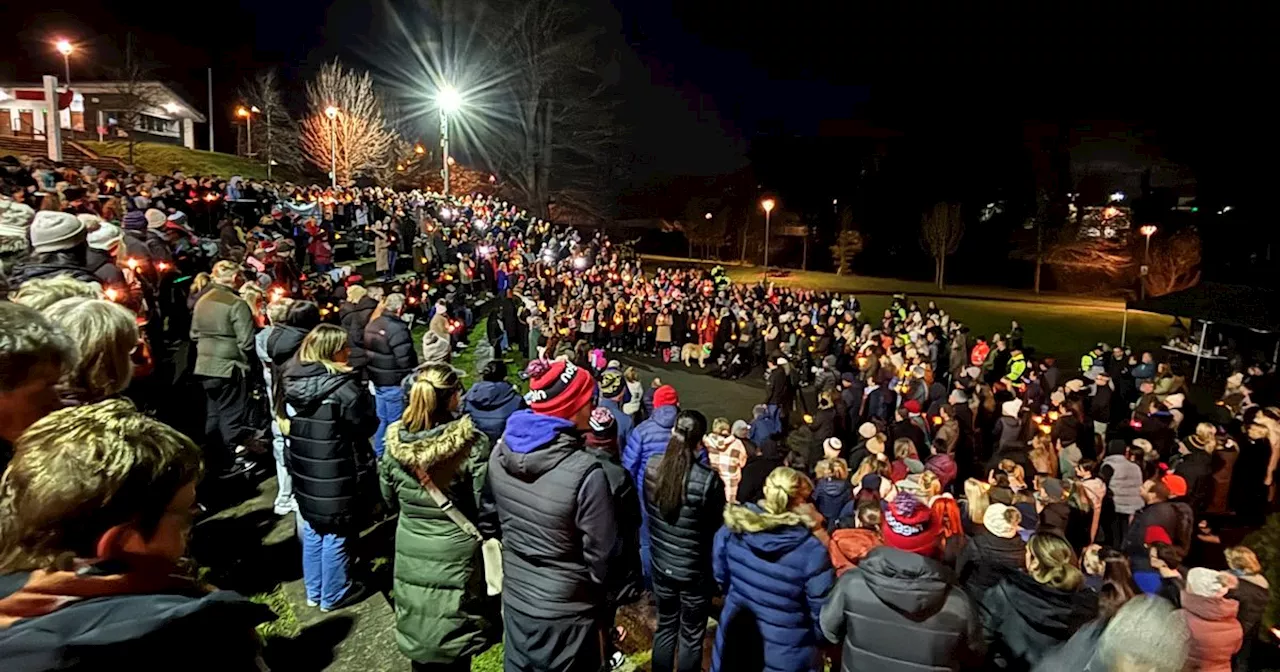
{"points": [[147, 632], [754, 473], [623, 420], [775, 583], [1253, 598], [557, 518], [902, 612], [649, 438], [442, 612], [222, 328], [53, 268], [680, 546], [987, 559], [849, 546], [1024, 619], [1125, 484], [1216, 635], [389, 352], [283, 344], [1008, 435], [1197, 468], [490, 404], [328, 452], [829, 496], [1175, 517], [354, 318], [625, 582]]}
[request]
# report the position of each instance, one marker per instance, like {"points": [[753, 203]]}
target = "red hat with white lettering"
{"points": [[559, 388]]}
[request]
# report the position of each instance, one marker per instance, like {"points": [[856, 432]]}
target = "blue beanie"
{"points": [[135, 220]]}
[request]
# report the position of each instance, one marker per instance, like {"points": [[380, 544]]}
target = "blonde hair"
{"points": [[975, 492], [1055, 562], [199, 282], [322, 345], [1243, 559], [356, 292], [278, 309], [869, 466], [80, 471], [432, 385], [930, 483], [720, 425], [783, 486], [41, 293], [252, 295], [225, 272], [831, 467], [1207, 436], [105, 335], [630, 374]]}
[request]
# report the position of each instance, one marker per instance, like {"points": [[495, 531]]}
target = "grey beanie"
{"points": [[15, 222], [55, 231], [105, 236]]}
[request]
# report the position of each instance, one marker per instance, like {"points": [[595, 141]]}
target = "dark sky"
{"points": [[703, 78]]}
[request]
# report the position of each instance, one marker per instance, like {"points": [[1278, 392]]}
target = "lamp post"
{"points": [[247, 115], [1147, 230], [448, 100], [332, 113], [65, 48], [767, 204]]}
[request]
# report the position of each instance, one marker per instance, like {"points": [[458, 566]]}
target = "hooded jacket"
{"points": [[442, 611], [1025, 619], [1125, 485], [776, 582], [328, 452], [556, 515], [389, 352], [283, 344], [681, 545], [987, 559], [354, 318], [647, 439], [490, 404], [1216, 634], [146, 631], [850, 545], [829, 496], [51, 267], [901, 612], [625, 582]]}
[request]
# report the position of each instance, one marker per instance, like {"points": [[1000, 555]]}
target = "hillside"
{"points": [[164, 159]]}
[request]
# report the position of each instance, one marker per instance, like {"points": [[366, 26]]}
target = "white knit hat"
{"points": [[1011, 408], [155, 218], [996, 523], [867, 430], [53, 231], [106, 236], [1208, 583]]}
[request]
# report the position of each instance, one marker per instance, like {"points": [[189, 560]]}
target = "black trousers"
{"points": [[226, 402], [682, 621], [566, 644]]}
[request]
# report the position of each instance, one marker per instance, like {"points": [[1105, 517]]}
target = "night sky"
{"points": [[704, 81]]}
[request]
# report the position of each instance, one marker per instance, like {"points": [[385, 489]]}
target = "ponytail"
{"points": [[433, 388], [675, 463]]}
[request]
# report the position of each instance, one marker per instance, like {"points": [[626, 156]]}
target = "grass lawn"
{"points": [[1063, 325], [163, 159]]}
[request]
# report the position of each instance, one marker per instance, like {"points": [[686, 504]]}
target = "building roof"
{"points": [[168, 99]]}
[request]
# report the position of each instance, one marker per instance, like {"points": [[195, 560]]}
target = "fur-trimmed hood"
{"points": [[427, 448]]}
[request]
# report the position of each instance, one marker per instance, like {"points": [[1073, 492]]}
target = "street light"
{"points": [[767, 204], [449, 101], [332, 113], [1147, 230], [707, 216], [247, 115], [65, 48]]}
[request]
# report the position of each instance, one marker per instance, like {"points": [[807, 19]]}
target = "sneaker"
{"points": [[617, 660], [356, 593], [312, 603]]}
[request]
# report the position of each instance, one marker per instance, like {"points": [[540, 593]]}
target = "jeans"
{"points": [[324, 566], [392, 257], [284, 496], [389, 405], [682, 617]]}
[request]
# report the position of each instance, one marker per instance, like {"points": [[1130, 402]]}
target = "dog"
{"points": [[694, 351]]}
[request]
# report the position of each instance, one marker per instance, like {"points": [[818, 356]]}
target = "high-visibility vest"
{"points": [[1017, 367], [1086, 362]]}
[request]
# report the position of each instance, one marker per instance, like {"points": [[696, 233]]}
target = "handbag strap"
{"points": [[447, 506]]}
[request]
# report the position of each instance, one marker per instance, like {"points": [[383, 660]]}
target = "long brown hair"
{"points": [[674, 465]]}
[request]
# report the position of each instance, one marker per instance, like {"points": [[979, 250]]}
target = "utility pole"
{"points": [[210, 110]]}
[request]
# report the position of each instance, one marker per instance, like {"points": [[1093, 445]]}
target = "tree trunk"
{"points": [[1039, 262], [745, 228], [690, 246], [942, 271]]}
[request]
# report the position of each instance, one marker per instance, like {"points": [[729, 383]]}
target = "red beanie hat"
{"points": [[905, 526], [558, 388], [665, 396], [1156, 533], [912, 406]]}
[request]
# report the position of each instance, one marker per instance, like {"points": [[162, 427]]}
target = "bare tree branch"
{"points": [[940, 232], [275, 133], [363, 140]]}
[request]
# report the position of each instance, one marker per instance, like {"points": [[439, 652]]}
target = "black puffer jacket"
{"points": [[902, 612], [987, 559], [283, 344], [50, 267], [354, 318], [680, 549], [1025, 619], [388, 345], [328, 452]]}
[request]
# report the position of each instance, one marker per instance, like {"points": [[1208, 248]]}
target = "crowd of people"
{"points": [[907, 495]]}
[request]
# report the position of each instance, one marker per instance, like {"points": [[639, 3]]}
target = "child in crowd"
{"points": [[832, 490]]}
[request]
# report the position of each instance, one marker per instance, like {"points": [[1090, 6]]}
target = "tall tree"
{"points": [[275, 133], [364, 143], [557, 140], [941, 229], [849, 243], [135, 94]]}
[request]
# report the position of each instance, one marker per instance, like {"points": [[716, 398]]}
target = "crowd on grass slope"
{"points": [[907, 495]]}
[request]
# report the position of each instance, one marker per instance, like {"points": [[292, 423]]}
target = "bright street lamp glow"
{"points": [[254, 109], [1118, 196], [767, 204], [708, 215], [331, 112], [64, 47], [449, 99], [242, 112], [1148, 230]]}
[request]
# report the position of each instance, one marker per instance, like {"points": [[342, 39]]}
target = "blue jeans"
{"points": [[324, 566], [389, 405]]}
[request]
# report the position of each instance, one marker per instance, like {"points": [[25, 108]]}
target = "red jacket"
{"points": [[979, 354], [1215, 631], [849, 546]]}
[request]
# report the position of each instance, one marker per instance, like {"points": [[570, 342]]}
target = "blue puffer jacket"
{"points": [[647, 439], [830, 496], [624, 421], [776, 583], [490, 404]]}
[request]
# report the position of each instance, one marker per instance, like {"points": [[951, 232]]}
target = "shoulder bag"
{"points": [[490, 549]]}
